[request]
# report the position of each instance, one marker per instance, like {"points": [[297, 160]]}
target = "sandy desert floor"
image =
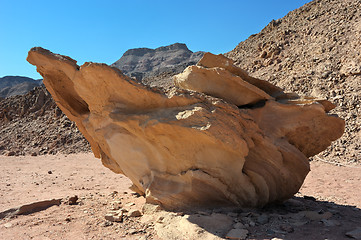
{"points": [[332, 192]]}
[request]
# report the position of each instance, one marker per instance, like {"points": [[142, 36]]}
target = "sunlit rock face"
{"points": [[221, 138]]}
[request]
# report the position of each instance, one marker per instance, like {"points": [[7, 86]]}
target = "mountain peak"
{"points": [[143, 51], [147, 62]]}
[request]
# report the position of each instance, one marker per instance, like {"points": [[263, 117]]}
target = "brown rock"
{"points": [[210, 60], [10, 153], [220, 83], [183, 149], [134, 213], [113, 218]]}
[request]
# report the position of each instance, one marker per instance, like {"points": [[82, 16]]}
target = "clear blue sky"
{"points": [[101, 31]]}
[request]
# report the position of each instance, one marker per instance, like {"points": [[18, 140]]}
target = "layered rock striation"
{"points": [[220, 138]]}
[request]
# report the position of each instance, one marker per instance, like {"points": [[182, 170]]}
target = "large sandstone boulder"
{"points": [[201, 146]]}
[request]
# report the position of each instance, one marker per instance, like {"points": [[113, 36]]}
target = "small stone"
{"points": [[238, 226], [262, 219], [50, 172], [356, 233], [106, 224], [150, 208], [70, 200], [286, 228], [116, 205], [34, 154], [130, 204], [110, 217], [160, 219], [8, 225], [330, 223], [246, 220], [73, 200], [134, 213], [232, 214], [118, 218], [237, 234], [113, 193], [10, 154], [123, 210], [299, 223]]}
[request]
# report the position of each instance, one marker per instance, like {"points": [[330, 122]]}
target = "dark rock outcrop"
{"points": [[156, 66], [17, 85]]}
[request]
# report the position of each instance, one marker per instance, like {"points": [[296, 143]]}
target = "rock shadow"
{"points": [[297, 218]]}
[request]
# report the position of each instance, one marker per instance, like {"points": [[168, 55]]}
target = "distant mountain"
{"points": [[16, 85], [144, 63]]}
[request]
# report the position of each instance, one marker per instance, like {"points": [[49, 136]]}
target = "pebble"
{"points": [[298, 223], [237, 234], [238, 225], [330, 223], [232, 214], [130, 204], [113, 218], [134, 213], [107, 224], [262, 219], [356, 233], [115, 205], [8, 225], [287, 228]]}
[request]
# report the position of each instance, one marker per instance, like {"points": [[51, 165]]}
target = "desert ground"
{"points": [[326, 207]]}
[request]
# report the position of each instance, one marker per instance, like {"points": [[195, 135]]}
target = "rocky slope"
{"points": [[314, 50], [16, 85], [33, 124]]}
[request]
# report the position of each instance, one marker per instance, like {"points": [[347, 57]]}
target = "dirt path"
{"points": [[24, 180]]}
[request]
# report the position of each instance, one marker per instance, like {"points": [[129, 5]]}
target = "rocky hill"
{"points": [[16, 85], [32, 124], [314, 50], [156, 66]]}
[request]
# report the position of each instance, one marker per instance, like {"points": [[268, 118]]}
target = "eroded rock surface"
{"points": [[184, 148]]}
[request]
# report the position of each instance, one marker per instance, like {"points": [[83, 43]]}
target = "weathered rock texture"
{"points": [[186, 148]]}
